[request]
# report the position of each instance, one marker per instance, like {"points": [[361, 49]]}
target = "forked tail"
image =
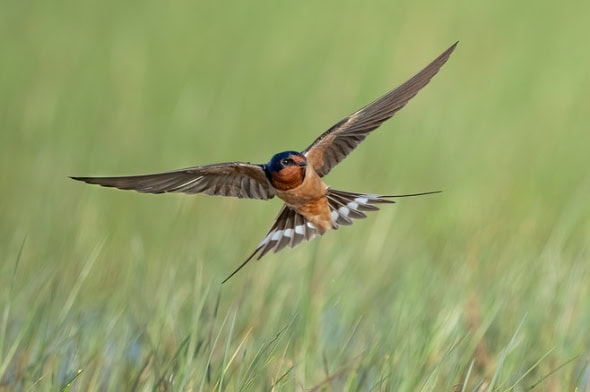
{"points": [[291, 228]]}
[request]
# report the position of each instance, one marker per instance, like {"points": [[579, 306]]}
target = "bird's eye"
{"points": [[286, 162]]}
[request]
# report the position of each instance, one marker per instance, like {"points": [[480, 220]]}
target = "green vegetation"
{"points": [[482, 287]]}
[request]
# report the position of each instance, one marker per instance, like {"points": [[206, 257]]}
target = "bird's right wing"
{"points": [[236, 179]]}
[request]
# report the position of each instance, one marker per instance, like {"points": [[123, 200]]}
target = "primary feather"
{"points": [[332, 146]]}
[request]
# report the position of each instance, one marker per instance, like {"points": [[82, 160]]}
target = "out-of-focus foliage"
{"points": [[484, 285]]}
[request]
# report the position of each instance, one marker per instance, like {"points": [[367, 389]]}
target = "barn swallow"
{"points": [[310, 207]]}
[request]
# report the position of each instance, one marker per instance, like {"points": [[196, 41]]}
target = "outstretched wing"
{"points": [[236, 179], [337, 142]]}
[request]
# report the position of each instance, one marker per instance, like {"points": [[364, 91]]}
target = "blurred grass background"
{"points": [[482, 287]]}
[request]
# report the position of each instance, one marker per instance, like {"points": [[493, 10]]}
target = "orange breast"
{"points": [[309, 199], [288, 178], [310, 188]]}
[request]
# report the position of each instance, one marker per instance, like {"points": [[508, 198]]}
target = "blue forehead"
{"points": [[282, 155], [274, 165]]}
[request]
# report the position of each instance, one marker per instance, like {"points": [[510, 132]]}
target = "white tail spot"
{"points": [[353, 205], [344, 211], [361, 200], [334, 215]]}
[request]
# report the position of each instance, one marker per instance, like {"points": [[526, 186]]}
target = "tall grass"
{"points": [[481, 287]]}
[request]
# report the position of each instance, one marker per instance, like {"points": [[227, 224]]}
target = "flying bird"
{"points": [[310, 207]]}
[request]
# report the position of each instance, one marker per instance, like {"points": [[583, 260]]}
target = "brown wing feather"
{"points": [[337, 142], [236, 179]]}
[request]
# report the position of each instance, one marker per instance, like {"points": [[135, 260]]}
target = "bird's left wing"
{"points": [[236, 179], [336, 143]]}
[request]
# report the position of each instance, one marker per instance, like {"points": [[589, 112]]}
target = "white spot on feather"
{"points": [[344, 211], [276, 235], [334, 215], [353, 205], [265, 240]]}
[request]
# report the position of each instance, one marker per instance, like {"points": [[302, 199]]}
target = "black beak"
{"points": [[302, 164]]}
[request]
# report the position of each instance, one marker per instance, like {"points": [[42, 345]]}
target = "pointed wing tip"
{"points": [[449, 51], [444, 56], [82, 179], [90, 180]]}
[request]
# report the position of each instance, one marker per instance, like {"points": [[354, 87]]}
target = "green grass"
{"points": [[484, 286]]}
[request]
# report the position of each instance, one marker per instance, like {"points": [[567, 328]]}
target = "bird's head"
{"points": [[286, 170]]}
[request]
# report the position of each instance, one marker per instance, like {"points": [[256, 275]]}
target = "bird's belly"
{"points": [[314, 207], [309, 199], [310, 190], [318, 213]]}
